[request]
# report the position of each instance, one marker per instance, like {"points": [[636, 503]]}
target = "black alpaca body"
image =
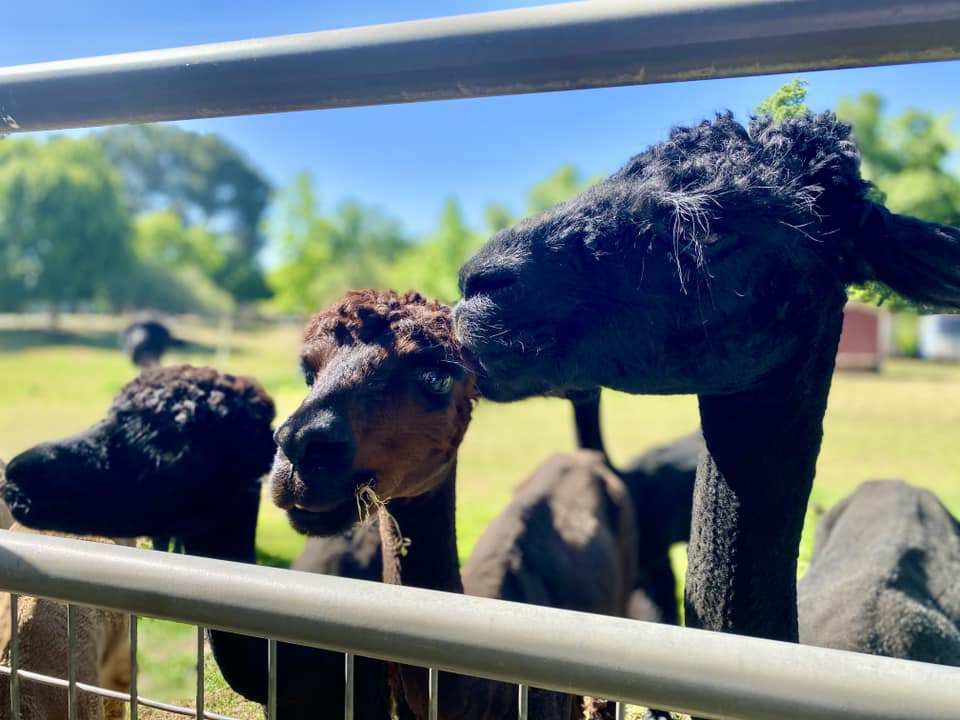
{"points": [[884, 576], [146, 340], [715, 263], [181, 454], [660, 482]]}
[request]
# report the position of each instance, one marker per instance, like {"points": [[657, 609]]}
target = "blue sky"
{"points": [[407, 159]]}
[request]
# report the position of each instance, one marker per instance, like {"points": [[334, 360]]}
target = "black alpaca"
{"points": [[145, 341], [661, 483], [885, 576], [714, 263], [181, 454]]}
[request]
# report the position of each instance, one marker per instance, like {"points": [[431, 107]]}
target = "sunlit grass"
{"points": [[900, 423]]}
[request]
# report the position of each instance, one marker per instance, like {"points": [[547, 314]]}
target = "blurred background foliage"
{"points": [[154, 216]]}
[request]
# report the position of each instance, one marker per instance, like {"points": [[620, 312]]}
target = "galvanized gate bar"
{"points": [[201, 680], [71, 662], [271, 709], [349, 686], [557, 47], [134, 667], [14, 646], [702, 673]]}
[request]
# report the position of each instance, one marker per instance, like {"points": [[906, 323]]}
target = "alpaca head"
{"points": [[387, 404], [705, 265], [179, 447], [146, 339]]}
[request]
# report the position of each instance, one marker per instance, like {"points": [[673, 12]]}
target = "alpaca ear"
{"points": [[918, 259]]}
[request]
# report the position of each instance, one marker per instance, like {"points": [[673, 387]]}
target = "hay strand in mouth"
{"points": [[369, 504]]}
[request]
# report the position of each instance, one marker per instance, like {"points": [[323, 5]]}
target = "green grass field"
{"points": [[900, 423]]}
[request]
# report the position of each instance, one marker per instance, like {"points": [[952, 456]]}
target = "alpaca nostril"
{"points": [[317, 440], [324, 454], [489, 281]]}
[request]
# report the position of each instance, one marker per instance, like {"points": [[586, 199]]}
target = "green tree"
{"points": [[173, 269], [206, 182], [906, 157], [162, 238], [321, 256], [561, 185], [788, 101], [432, 265], [63, 228]]}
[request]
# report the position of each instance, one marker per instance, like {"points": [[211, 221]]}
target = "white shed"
{"points": [[940, 337]]}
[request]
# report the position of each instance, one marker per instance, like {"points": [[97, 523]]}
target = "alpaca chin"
{"points": [[327, 522]]}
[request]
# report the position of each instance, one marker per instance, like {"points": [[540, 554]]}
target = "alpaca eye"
{"points": [[436, 382]]}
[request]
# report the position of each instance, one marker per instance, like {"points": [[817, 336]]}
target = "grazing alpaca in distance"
{"points": [[146, 339], [182, 453], [389, 403], [714, 263], [885, 576]]}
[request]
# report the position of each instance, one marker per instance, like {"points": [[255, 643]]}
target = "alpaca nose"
{"points": [[322, 441], [477, 279]]}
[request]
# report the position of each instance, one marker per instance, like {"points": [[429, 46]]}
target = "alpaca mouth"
{"points": [[332, 516]]}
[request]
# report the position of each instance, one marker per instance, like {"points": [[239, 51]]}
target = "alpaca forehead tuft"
{"points": [[800, 166], [186, 394], [405, 324]]}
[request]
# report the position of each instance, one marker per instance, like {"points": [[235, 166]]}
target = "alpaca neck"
{"points": [[586, 418], [430, 560], [304, 673], [235, 537], [751, 497]]}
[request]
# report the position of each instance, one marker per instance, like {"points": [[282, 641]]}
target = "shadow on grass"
{"points": [[23, 339]]}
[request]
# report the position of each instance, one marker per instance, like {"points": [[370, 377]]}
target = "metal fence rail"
{"points": [[705, 673], [559, 47]]}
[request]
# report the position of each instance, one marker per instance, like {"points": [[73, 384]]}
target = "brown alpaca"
{"points": [[103, 653], [388, 406]]}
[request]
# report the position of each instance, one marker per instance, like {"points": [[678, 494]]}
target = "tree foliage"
{"points": [[321, 256], [207, 183], [64, 232], [562, 184], [787, 102], [431, 266], [906, 157]]}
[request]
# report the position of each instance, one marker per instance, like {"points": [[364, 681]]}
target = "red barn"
{"points": [[865, 339]]}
